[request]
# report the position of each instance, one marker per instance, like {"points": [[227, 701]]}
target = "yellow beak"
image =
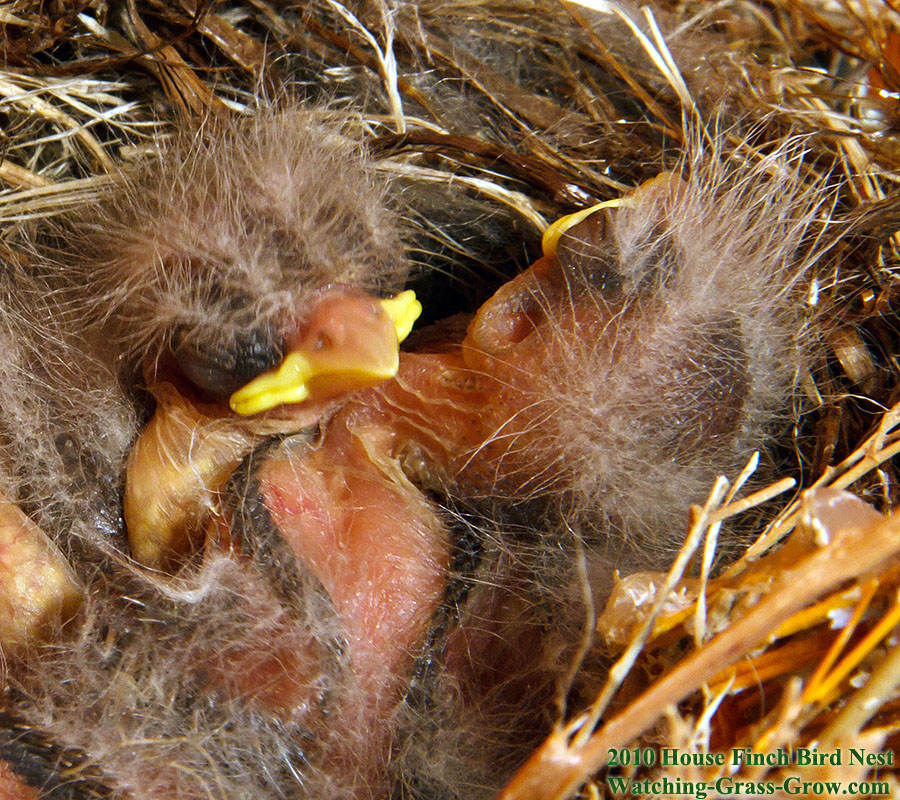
{"points": [[349, 343], [552, 235], [664, 183]]}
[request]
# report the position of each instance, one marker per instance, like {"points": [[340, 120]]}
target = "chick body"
{"points": [[205, 266], [374, 568], [599, 390]]}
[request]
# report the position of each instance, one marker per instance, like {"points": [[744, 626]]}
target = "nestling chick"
{"points": [[387, 599], [596, 395], [246, 247], [601, 391]]}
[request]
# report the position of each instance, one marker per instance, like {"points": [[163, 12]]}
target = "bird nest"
{"points": [[759, 669]]}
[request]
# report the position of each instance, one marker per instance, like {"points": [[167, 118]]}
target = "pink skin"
{"points": [[353, 518], [345, 327], [379, 551], [473, 412], [372, 541], [12, 787]]}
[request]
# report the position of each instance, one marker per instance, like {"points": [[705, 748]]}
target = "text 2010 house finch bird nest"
{"points": [[449, 400]]}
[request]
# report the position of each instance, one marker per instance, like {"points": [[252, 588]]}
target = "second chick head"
{"points": [[650, 348]]}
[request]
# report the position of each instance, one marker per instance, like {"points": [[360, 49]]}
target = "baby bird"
{"points": [[590, 401], [247, 252], [365, 564], [654, 347]]}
